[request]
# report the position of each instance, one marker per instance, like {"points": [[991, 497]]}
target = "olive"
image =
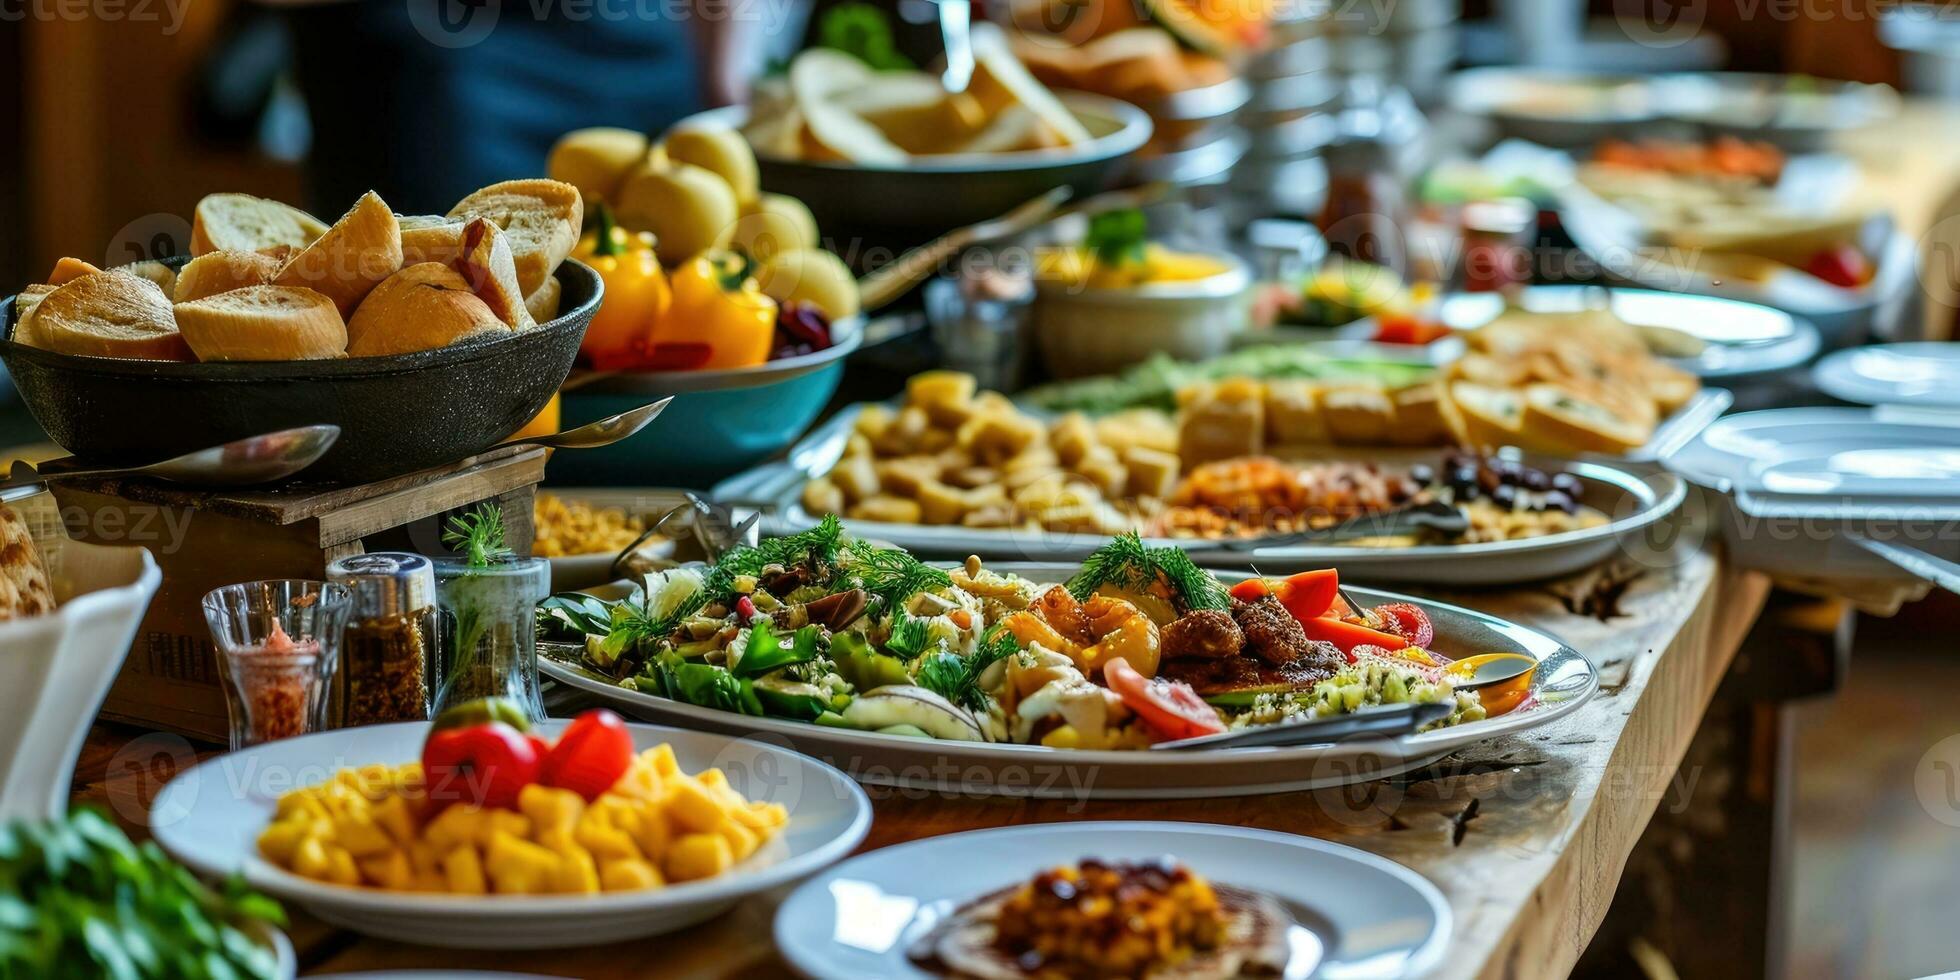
{"points": [[1422, 474], [1536, 480], [1505, 496], [1568, 484], [1561, 500]]}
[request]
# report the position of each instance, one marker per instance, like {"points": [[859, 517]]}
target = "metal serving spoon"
{"points": [[1386, 721], [245, 462], [592, 435], [1435, 515]]}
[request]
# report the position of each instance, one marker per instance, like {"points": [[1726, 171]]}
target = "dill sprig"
{"points": [[1126, 562], [819, 546], [957, 678], [910, 636], [477, 535], [891, 574]]}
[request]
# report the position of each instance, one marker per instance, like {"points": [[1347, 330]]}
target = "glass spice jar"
{"points": [[391, 647], [491, 636], [278, 645]]}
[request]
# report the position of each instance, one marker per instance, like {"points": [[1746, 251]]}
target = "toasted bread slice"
{"points": [[424, 306], [1485, 416], [1357, 415], [25, 589], [1293, 414], [110, 314], [431, 238], [244, 223], [1419, 417], [487, 265], [543, 304], [361, 249], [1562, 416], [67, 269], [223, 271], [263, 323], [542, 218], [24, 304], [164, 276]]}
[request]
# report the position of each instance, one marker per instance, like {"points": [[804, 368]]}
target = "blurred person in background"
{"points": [[427, 100]]}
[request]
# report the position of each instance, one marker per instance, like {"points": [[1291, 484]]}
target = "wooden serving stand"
{"points": [[206, 539]]}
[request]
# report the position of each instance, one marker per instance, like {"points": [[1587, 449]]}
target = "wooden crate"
{"points": [[203, 540]]}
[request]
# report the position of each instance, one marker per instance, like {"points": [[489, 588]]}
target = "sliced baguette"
{"points": [[1568, 419], [542, 218], [487, 265], [431, 238], [1485, 416], [351, 258], [223, 271], [244, 223], [1419, 417], [164, 276], [109, 314], [1357, 415], [543, 304], [263, 323], [25, 589], [1293, 414], [67, 269], [24, 305], [424, 306]]}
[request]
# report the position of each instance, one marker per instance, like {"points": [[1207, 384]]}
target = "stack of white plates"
{"points": [[1922, 375], [1289, 118], [1833, 493]]}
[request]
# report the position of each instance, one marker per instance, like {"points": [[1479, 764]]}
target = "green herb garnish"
{"points": [[1126, 562], [863, 32], [910, 636], [78, 899], [1117, 237], [477, 535], [891, 574], [818, 546], [957, 678]]}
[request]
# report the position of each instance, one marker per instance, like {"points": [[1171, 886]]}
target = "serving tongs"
{"points": [[1432, 515], [1386, 721]]}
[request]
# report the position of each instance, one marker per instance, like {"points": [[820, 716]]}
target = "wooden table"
{"points": [[1526, 835]]}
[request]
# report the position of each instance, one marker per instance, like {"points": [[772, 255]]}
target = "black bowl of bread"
{"points": [[426, 339]]}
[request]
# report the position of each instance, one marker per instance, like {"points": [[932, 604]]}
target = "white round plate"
{"points": [[1562, 682], [1923, 375], [210, 817], [1357, 915]]}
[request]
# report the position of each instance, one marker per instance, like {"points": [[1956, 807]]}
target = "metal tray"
{"points": [[1632, 500], [1564, 680]]}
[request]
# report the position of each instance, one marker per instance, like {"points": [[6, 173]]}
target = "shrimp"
{"points": [[1089, 633]]}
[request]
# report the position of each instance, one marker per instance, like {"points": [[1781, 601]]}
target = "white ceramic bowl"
{"points": [[55, 669], [1085, 331]]}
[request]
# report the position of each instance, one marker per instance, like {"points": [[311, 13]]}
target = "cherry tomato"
{"points": [[1169, 709], [589, 758], [1309, 594], [1843, 266], [486, 764], [1408, 621]]}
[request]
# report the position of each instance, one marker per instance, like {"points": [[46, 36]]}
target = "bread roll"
{"points": [[542, 218], [263, 323], [164, 276], [1569, 420], [361, 249], [424, 306], [431, 238], [67, 269], [244, 223], [109, 314], [487, 265], [595, 160], [543, 304], [223, 271]]}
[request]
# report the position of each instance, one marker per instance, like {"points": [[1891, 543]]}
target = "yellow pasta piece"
{"points": [[462, 872], [694, 856], [694, 807], [626, 875]]}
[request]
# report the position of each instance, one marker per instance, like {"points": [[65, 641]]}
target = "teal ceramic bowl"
{"points": [[721, 422]]}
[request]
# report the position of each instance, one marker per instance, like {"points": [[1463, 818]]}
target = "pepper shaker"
{"points": [[392, 646]]}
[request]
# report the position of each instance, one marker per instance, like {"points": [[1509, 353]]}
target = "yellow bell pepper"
{"points": [[620, 336], [719, 317]]}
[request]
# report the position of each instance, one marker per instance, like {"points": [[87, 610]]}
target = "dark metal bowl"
{"points": [[868, 214], [397, 414]]}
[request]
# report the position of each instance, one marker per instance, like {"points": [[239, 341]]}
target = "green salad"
{"points": [[1155, 382]]}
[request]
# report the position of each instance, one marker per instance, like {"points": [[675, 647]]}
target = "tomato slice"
{"points": [[1250, 590], [1169, 709], [589, 758], [1407, 620], [1347, 636], [1309, 594]]}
